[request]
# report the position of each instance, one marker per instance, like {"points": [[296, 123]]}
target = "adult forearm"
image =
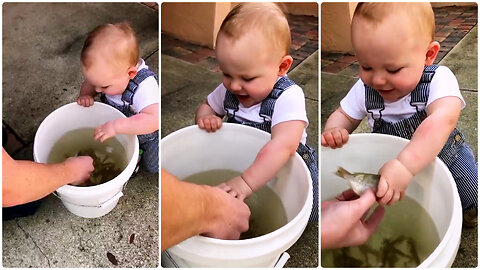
{"points": [[26, 181], [182, 208]]}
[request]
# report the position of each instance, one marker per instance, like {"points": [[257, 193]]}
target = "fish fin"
{"points": [[342, 172]]}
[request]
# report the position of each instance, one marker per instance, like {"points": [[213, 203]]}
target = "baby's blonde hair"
{"points": [[268, 18], [117, 42], [421, 14]]}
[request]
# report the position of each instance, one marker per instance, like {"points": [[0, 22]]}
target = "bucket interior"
{"points": [[73, 116]]}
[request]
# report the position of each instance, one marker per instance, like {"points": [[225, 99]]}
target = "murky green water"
{"points": [[405, 238], [267, 211], [109, 157]]}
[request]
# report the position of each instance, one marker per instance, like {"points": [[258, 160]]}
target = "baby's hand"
{"points": [[334, 137], [237, 187], [394, 180], [210, 123], [85, 101], [105, 131]]}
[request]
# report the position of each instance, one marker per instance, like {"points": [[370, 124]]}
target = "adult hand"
{"points": [[80, 168], [229, 216], [342, 220]]}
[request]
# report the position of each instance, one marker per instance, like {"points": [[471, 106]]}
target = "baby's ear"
{"points": [[285, 65], [432, 52], [132, 72]]}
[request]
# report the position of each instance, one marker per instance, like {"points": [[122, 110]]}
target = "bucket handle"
{"points": [[282, 260], [103, 205]]}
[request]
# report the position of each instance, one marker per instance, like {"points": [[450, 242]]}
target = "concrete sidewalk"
{"points": [[462, 60], [41, 72], [185, 86]]}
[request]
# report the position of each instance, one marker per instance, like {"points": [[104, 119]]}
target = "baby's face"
{"points": [[250, 67], [391, 54], [106, 78]]}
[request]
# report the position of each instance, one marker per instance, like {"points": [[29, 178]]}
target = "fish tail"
{"points": [[342, 172]]}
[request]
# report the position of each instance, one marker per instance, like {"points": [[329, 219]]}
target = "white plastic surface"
{"points": [[85, 201], [192, 150], [434, 187]]}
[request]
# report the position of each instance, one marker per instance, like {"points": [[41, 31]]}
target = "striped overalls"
{"points": [[308, 154], [148, 142], [456, 154]]}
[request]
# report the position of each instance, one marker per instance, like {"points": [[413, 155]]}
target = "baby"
{"points": [[403, 94], [111, 66], [252, 50]]}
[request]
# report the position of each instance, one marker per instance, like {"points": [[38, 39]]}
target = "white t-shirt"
{"points": [[147, 93], [443, 84], [289, 106]]}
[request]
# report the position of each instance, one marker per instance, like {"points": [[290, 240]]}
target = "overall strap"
{"points": [[133, 84], [373, 101], [268, 104], [419, 95], [230, 105]]}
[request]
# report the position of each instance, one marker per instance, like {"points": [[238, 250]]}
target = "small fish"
{"points": [[359, 182]]}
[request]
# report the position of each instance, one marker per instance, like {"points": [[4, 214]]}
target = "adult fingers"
{"points": [[361, 205], [347, 195], [373, 221]]}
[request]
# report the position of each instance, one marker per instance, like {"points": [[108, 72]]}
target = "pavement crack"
{"points": [[468, 90], [152, 53], [35, 243]]}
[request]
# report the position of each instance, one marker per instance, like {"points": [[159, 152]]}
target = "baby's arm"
{"points": [[337, 128], [87, 93], [206, 118], [273, 156], [426, 143], [146, 121]]}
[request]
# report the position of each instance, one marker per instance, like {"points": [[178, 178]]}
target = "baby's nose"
{"points": [[378, 80]]}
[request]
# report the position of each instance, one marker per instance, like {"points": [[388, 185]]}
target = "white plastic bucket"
{"points": [[192, 150], [93, 201], [434, 187]]}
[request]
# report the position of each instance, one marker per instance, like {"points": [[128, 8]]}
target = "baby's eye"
{"points": [[366, 68], [249, 79], [226, 75], [394, 71]]}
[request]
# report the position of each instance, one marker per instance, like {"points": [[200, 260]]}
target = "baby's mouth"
{"points": [[384, 91], [242, 97]]}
